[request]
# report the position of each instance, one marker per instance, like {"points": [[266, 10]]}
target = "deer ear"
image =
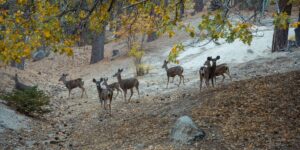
{"points": [[208, 58], [121, 69], [218, 57], [94, 80]]}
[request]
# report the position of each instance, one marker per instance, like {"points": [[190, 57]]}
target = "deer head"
{"points": [[118, 73], [165, 64], [63, 77]]}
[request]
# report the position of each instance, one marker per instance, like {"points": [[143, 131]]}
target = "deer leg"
{"points": [[182, 79], [172, 79], [179, 80], [117, 92], [85, 93], [223, 78], [69, 93], [212, 81], [137, 89], [125, 92], [101, 103], [201, 78], [168, 81], [82, 91], [228, 73], [131, 93]]}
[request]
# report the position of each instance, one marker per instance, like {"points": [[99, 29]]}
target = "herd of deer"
{"points": [[105, 91]]}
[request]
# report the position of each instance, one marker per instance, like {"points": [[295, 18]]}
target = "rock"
{"points": [[185, 131], [139, 147], [250, 51], [39, 55], [9, 119]]}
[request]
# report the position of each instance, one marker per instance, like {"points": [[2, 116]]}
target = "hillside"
{"points": [[259, 109]]}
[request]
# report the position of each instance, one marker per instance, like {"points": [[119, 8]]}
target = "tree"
{"points": [[280, 36], [199, 5], [297, 30]]}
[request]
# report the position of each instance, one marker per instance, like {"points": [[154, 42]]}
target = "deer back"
{"points": [[129, 83], [114, 85], [71, 84], [173, 71], [221, 69]]}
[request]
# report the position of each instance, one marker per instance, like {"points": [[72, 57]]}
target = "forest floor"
{"points": [[259, 109]]}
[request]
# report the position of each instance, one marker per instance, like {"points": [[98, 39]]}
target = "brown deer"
{"points": [[126, 84], [212, 70], [20, 86], [208, 71], [71, 84], [114, 86], [204, 72], [172, 72], [221, 70], [104, 94]]}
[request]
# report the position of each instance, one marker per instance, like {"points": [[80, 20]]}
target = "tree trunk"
{"points": [[199, 5], [20, 66], [153, 36], [181, 5], [280, 36], [98, 47], [297, 32]]}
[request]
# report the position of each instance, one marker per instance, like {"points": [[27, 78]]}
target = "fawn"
{"points": [[104, 94], [71, 84], [20, 86], [173, 71], [126, 84], [114, 86]]}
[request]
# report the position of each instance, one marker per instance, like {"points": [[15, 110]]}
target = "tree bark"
{"points": [[199, 5], [181, 6], [280, 36], [297, 31], [20, 65], [98, 47]]}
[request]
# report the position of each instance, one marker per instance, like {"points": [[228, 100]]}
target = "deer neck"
{"points": [[166, 68], [119, 79], [65, 81]]}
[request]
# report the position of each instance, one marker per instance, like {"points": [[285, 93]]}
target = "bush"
{"points": [[143, 69], [28, 101]]}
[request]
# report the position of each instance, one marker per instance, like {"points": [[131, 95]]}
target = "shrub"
{"points": [[28, 101]]}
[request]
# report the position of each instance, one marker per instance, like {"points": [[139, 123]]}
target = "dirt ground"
{"points": [[257, 110]]}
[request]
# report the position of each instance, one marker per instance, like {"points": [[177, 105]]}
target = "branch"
{"points": [[134, 4]]}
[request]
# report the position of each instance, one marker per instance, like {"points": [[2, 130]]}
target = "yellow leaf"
{"points": [[47, 34]]}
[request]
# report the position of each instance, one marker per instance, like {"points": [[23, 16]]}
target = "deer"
{"points": [[221, 70], [208, 71], [114, 86], [72, 84], [126, 84], [104, 94], [21, 86], [204, 72], [172, 72]]}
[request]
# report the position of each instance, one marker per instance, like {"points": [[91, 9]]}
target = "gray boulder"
{"points": [[40, 54], [185, 131]]}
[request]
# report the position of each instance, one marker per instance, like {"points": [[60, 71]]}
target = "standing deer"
{"points": [[212, 71], [126, 84], [104, 94], [173, 71], [204, 72], [114, 86], [221, 70], [208, 71], [71, 84], [20, 86]]}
